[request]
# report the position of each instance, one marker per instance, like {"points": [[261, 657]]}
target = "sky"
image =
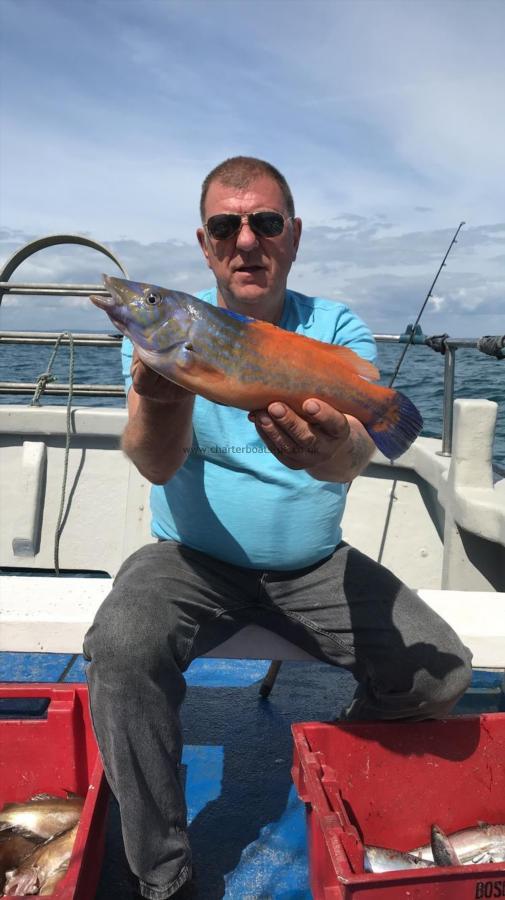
{"points": [[387, 118]]}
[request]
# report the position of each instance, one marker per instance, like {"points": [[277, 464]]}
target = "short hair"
{"points": [[239, 172]]}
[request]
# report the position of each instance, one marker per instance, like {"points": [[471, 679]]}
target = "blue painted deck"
{"points": [[247, 826]]}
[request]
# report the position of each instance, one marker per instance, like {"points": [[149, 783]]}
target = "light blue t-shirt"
{"points": [[232, 498]]}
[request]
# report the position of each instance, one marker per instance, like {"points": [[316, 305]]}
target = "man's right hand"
{"points": [[159, 429], [147, 383]]}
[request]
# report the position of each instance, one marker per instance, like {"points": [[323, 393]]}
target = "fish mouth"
{"points": [[106, 303], [111, 303]]}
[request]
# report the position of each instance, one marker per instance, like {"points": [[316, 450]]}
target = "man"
{"points": [[247, 510]]}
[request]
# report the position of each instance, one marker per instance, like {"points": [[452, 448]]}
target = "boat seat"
{"points": [[52, 614]]}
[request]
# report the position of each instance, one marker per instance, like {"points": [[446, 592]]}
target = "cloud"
{"points": [[116, 138], [384, 116], [383, 273]]}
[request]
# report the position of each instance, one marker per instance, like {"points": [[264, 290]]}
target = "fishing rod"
{"points": [[428, 295], [395, 373]]}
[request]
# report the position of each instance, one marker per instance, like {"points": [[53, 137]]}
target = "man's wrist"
{"points": [[351, 456], [153, 405]]}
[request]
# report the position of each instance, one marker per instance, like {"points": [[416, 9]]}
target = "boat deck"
{"points": [[247, 825]]}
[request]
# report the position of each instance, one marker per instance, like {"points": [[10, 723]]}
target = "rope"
{"points": [[59, 528], [42, 381], [46, 377], [437, 342], [493, 345]]}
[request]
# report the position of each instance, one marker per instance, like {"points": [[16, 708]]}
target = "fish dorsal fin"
{"points": [[349, 358]]}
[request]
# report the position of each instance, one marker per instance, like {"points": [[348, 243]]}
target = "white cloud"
{"points": [[383, 273]]}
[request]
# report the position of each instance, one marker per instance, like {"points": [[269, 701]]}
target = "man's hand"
{"points": [[328, 444], [159, 429], [151, 386]]}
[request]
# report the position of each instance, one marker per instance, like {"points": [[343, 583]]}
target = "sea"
{"points": [[421, 377]]}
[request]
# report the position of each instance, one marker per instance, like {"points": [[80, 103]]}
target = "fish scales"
{"points": [[227, 342], [249, 355], [224, 342], [239, 361]]}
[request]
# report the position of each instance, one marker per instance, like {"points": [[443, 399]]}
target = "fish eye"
{"points": [[153, 299]]}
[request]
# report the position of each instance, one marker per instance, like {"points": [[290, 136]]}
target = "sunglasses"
{"points": [[264, 224]]}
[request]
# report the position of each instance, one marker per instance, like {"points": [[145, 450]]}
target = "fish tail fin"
{"points": [[398, 428]]}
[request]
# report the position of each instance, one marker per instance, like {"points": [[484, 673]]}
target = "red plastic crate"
{"points": [[54, 755], [385, 784]]}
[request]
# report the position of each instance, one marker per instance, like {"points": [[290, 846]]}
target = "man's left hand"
{"points": [[302, 442], [329, 445]]}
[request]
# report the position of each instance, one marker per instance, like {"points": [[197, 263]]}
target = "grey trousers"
{"points": [[170, 604]]}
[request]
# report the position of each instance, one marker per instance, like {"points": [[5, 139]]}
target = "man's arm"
{"points": [[329, 445], [159, 429]]}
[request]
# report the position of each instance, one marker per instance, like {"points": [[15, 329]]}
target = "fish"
{"points": [[382, 859], [13, 849], [479, 843], [43, 868], [42, 817], [239, 361]]}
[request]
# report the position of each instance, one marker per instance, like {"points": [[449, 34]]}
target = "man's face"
{"points": [[251, 271]]}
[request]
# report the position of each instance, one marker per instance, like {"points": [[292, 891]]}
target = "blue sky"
{"points": [[386, 116]]}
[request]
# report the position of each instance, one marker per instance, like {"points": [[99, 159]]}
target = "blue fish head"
{"points": [[153, 317]]}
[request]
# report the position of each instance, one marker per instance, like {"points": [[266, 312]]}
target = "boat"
{"points": [[74, 507]]}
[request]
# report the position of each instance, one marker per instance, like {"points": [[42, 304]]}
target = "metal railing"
{"points": [[49, 337], [117, 390], [52, 290], [450, 345]]}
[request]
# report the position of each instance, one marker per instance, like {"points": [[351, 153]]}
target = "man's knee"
{"points": [[421, 687], [138, 622], [437, 695]]}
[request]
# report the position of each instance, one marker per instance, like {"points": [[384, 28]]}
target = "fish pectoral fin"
{"points": [[191, 362], [347, 357]]}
